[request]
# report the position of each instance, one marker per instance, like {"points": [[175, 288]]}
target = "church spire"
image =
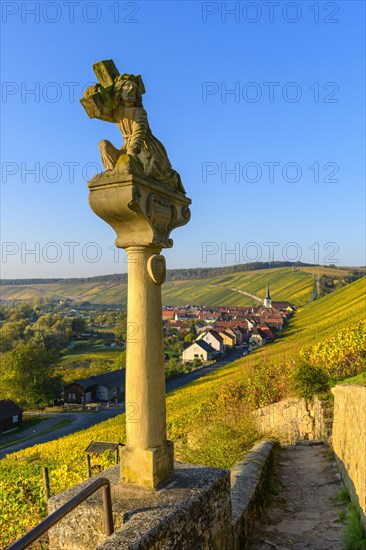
{"points": [[267, 302]]}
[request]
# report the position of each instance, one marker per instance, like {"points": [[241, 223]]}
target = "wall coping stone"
{"points": [[249, 486]]}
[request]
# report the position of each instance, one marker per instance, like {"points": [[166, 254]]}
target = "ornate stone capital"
{"points": [[141, 211]]}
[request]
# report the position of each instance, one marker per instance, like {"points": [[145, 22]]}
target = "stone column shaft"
{"points": [[145, 376]]}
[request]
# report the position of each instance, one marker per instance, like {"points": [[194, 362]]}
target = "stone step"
{"points": [[309, 442]]}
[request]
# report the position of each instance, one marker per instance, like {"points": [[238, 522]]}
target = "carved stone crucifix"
{"points": [[143, 199], [118, 99]]}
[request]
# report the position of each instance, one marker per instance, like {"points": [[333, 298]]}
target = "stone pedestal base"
{"points": [[192, 511], [148, 468]]}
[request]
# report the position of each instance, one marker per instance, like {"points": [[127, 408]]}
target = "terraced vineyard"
{"points": [[200, 421]]}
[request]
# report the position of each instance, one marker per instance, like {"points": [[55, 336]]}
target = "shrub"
{"points": [[230, 395], [309, 380]]}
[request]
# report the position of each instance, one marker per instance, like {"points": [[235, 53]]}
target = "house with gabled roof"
{"points": [[257, 338], [267, 332], [104, 387], [168, 314], [228, 338], [252, 321], [284, 306], [179, 325], [198, 350], [213, 338]]}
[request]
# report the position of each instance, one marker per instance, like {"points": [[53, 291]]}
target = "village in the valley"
{"points": [[221, 329], [202, 335]]}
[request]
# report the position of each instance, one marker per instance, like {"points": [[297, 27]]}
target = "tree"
{"points": [[27, 376], [10, 334], [78, 326]]}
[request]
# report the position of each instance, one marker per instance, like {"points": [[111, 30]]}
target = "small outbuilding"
{"points": [[10, 415], [104, 387]]}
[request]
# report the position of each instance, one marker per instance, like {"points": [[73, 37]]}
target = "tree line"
{"points": [[172, 274]]}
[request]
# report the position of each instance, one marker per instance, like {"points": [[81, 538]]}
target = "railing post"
{"points": [[107, 506]]}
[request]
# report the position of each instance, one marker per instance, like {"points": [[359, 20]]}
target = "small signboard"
{"points": [[99, 447]]}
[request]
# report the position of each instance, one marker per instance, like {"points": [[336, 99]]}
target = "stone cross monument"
{"points": [[142, 198]]}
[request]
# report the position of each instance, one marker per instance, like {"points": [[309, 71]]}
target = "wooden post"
{"points": [[46, 482], [88, 466]]}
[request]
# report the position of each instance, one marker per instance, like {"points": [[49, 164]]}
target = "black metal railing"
{"points": [[42, 528]]}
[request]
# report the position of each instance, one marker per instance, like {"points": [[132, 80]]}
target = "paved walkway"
{"points": [[304, 515]]}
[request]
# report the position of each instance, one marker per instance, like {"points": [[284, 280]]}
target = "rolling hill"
{"points": [[296, 287], [286, 283]]}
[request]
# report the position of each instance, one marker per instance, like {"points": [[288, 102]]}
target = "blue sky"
{"points": [[291, 132]]}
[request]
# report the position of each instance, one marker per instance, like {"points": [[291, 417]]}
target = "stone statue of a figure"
{"points": [[118, 99]]}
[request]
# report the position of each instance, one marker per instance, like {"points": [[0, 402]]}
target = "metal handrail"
{"points": [[57, 515]]}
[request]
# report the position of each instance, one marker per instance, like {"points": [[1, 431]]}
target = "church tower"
{"points": [[267, 302]]}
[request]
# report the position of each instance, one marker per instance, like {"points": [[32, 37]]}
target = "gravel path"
{"points": [[304, 516]]}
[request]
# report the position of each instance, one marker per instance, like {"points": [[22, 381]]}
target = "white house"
{"points": [[214, 339], [256, 339], [198, 350]]}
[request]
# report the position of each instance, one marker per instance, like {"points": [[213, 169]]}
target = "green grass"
{"points": [[359, 380], [286, 285], [294, 286], [342, 496], [80, 363], [95, 352], [354, 537]]}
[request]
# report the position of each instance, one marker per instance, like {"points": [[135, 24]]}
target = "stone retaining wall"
{"points": [[349, 441], [293, 418]]}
